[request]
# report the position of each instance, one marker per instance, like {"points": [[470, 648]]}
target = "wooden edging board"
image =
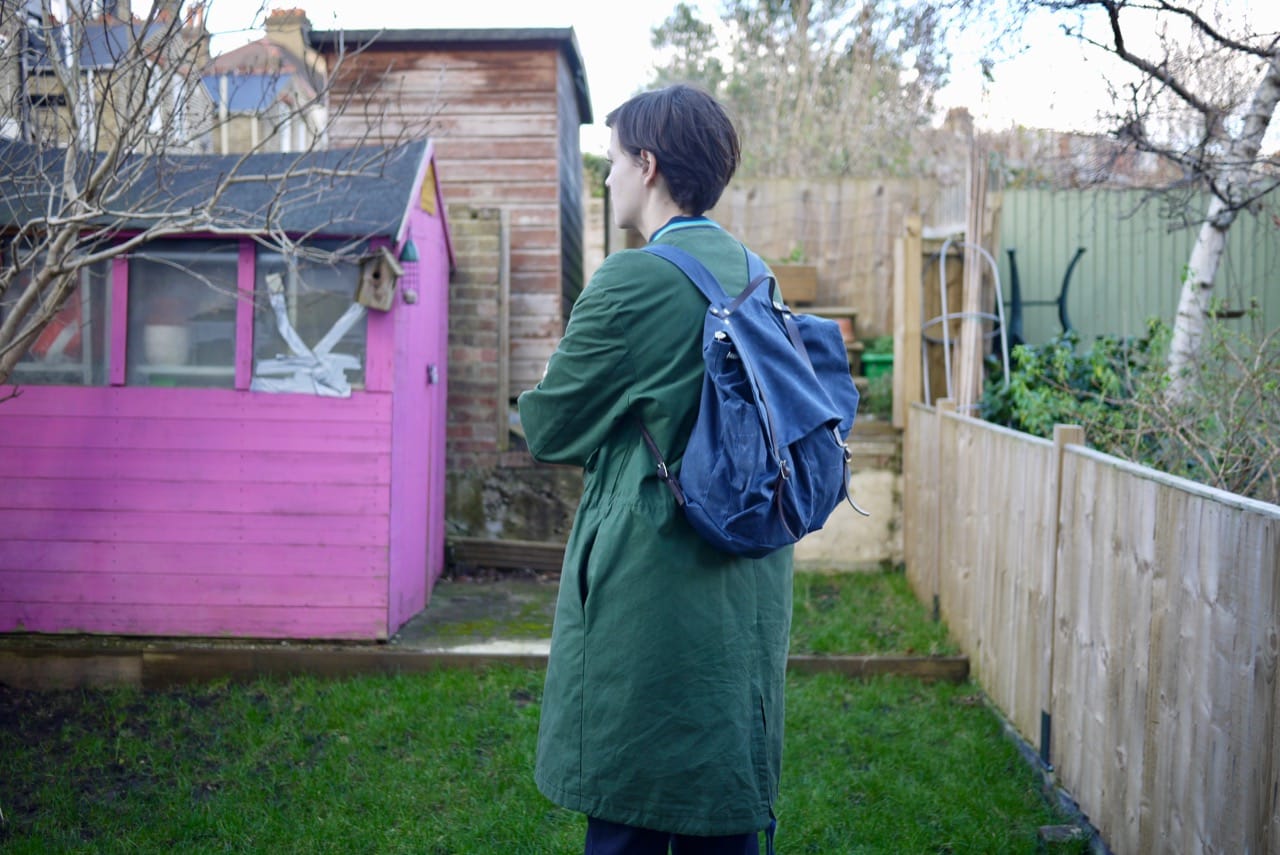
{"points": [[65, 667]]}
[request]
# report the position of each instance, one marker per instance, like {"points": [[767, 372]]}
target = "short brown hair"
{"points": [[689, 133]]}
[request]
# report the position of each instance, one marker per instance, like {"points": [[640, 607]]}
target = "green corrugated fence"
{"points": [[1132, 266]]}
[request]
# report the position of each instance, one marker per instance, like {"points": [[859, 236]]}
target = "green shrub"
{"points": [[880, 344], [1224, 433], [878, 401]]}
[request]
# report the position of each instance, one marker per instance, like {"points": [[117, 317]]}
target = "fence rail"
{"points": [[1127, 622]]}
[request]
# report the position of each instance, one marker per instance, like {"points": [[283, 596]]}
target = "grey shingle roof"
{"points": [[342, 192]]}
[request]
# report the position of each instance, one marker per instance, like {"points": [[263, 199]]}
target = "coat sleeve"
{"points": [[587, 385]]}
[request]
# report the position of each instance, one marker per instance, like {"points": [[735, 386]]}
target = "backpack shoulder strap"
{"points": [[693, 268], [706, 282]]}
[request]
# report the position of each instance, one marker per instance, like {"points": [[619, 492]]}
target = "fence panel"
{"points": [[844, 227], [1165, 638], [920, 506], [1168, 619], [995, 523]]}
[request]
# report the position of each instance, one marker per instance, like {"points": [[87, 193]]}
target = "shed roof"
{"points": [[362, 192], [561, 38]]}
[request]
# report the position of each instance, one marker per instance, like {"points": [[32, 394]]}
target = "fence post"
{"points": [[944, 406], [908, 288], [1063, 435]]}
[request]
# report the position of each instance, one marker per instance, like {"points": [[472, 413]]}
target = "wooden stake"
{"points": [[968, 364]]}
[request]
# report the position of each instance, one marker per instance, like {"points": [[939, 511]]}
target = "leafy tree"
{"points": [[818, 87]]}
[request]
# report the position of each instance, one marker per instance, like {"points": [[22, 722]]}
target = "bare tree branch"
{"points": [[119, 129]]}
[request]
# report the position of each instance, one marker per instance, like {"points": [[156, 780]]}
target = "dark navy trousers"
{"points": [[610, 838]]}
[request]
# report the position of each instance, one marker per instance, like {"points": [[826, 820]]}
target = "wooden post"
{"points": [[1063, 435], [968, 367], [945, 406], [504, 330], [908, 378]]}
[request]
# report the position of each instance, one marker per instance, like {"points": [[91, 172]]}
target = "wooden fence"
{"points": [[1126, 622], [845, 227]]}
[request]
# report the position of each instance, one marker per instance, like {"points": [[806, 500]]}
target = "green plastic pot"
{"points": [[876, 364]]}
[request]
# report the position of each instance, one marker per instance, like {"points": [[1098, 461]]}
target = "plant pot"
{"points": [[166, 344], [876, 364]]}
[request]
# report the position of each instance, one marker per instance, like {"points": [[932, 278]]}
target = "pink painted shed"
{"points": [[215, 439]]}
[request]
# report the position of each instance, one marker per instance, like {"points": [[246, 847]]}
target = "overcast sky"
{"points": [[1053, 83]]}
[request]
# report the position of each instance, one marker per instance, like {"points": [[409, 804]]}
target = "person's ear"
{"points": [[648, 166]]}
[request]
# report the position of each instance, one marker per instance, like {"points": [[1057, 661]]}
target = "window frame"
{"points": [[378, 344]]}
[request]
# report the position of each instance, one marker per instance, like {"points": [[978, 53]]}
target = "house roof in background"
{"points": [[355, 193], [264, 56], [560, 38], [101, 43], [248, 93]]}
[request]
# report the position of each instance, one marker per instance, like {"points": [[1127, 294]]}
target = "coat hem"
{"points": [[656, 817]]}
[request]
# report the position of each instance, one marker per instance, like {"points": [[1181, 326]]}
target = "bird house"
{"points": [[378, 275]]}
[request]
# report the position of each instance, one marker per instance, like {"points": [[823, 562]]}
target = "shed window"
{"points": [[72, 349], [317, 295], [182, 314]]}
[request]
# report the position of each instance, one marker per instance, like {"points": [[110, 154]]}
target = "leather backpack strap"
{"points": [[664, 474]]}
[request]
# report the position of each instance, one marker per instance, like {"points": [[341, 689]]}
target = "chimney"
{"points": [[167, 10], [290, 29]]}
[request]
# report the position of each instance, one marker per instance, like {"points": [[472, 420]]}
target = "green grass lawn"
{"points": [[441, 762]]}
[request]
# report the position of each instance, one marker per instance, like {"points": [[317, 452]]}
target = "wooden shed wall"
{"points": [[195, 512], [573, 190], [497, 119]]}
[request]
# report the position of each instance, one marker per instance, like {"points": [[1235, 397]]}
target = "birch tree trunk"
{"points": [[1206, 255]]}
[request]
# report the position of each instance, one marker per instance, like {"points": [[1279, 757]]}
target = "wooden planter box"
{"points": [[799, 282]]}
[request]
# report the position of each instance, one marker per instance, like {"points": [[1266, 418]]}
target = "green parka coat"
{"points": [[663, 705]]}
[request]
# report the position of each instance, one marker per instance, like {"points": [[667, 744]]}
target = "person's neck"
{"points": [[657, 214]]}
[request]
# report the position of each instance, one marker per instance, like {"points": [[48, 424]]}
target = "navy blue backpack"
{"points": [[767, 461]]}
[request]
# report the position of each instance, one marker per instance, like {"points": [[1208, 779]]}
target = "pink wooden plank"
{"points": [[224, 559], [195, 434], [244, 314], [213, 622], [246, 467], [147, 403], [180, 589], [98, 494], [441, 255], [194, 528]]}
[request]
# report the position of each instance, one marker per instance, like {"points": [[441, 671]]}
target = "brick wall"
{"points": [[493, 487], [474, 293]]}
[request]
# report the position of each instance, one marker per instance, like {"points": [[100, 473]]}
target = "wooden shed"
{"points": [[505, 108], [229, 444]]}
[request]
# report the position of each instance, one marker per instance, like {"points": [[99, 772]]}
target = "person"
{"points": [[662, 712]]}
